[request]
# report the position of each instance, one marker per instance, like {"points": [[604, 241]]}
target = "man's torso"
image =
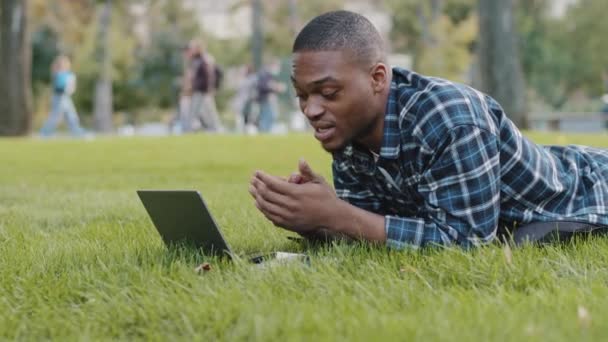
{"points": [[537, 183]]}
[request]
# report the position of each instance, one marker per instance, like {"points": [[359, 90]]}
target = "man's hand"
{"points": [[305, 174], [304, 203]]}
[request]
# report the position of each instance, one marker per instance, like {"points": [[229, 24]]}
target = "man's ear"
{"points": [[380, 74]]}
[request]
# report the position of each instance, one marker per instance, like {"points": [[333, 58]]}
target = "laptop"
{"points": [[182, 217]]}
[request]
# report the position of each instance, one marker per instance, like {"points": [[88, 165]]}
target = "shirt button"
{"points": [[390, 186]]}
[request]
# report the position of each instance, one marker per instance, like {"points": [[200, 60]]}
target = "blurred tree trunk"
{"points": [[436, 8], [15, 68], [500, 68], [257, 38], [294, 19], [103, 89]]}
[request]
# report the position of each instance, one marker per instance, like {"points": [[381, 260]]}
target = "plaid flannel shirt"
{"points": [[453, 167]]}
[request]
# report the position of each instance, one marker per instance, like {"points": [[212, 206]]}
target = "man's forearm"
{"points": [[357, 223]]}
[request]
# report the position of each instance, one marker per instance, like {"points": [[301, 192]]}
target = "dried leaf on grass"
{"points": [[204, 267]]}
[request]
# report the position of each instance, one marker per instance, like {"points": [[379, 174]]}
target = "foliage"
{"points": [[70, 27], [439, 34], [562, 56], [160, 59], [585, 31], [450, 56], [280, 31], [44, 49], [82, 261], [143, 74], [545, 59], [87, 67]]}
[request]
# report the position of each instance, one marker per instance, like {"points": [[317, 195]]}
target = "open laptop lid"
{"points": [[181, 216]]}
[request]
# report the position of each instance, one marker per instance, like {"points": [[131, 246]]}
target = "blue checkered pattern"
{"points": [[453, 167]]}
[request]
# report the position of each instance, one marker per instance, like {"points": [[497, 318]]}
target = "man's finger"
{"points": [[262, 190], [277, 177], [275, 184], [268, 208], [295, 178], [306, 171], [273, 218], [276, 221], [252, 191]]}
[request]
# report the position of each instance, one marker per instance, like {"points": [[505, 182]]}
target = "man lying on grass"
{"points": [[417, 160]]}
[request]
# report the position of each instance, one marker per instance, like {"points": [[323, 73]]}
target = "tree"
{"points": [[499, 63], [283, 20], [156, 77], [103, 89], [586, 29], [257, 36], [15, 65]]}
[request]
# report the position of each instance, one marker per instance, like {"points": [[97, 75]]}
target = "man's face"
{"points": [[336, 94]]}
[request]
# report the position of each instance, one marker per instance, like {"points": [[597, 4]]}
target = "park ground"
{"points": [[80, 259]]}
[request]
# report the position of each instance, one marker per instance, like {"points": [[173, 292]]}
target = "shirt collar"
{"points": [[391, 136]]}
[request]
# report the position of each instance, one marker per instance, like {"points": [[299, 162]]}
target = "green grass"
{"points": [[79, 258]]}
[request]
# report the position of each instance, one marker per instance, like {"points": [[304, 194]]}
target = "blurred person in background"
{"points": [[243, 102], [205, 81], [182, 121], [605, 110], [64, 84], [267, 88]]}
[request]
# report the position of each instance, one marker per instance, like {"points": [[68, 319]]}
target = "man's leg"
{"points": [[265, 115], [547, 232], [184, 112], [210, 114], [54, 116], [71, 116], [196, 104]]}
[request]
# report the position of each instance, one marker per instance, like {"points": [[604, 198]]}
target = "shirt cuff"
{"points": [[413, 233], [403, 232]]}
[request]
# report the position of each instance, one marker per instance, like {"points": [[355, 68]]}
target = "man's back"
{"points": [[201, 80], [455, 160]]}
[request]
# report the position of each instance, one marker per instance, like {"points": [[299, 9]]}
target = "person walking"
{"points": [[64, 85], [604, 110], [204, 85], [267, 88], [243, 102]]}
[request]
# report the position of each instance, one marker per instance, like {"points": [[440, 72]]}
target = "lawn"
{"points": [[80, 259]]}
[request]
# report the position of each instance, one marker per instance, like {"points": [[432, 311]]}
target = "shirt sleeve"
{"points": [[461, 192], [350, 189]]}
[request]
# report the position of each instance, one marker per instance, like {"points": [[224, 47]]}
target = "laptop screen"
{"points": [[181, 216]]}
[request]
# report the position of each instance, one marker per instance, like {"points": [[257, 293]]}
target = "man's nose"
{"points": [[313, 110]]}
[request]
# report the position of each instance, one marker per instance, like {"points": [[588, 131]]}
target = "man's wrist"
{"points": [[337, 216], [347, 219]]}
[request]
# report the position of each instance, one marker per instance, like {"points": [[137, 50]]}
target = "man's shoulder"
{"points": [[427, 93], [435, 106]]}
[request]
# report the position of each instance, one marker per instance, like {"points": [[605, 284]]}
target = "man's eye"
{"points": [[330, 95]]}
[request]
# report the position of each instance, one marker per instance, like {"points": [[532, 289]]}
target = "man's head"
{"points": [[61, 63], [193, 48], [341, 78]]}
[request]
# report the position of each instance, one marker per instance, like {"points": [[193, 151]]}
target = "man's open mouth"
{"points": [[324, 133]]}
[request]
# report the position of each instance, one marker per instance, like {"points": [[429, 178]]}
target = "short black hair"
{"points": [[342, 30]]}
